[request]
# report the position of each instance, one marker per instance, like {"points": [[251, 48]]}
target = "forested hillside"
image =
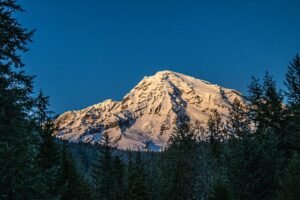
{"points": [[254, 154]]}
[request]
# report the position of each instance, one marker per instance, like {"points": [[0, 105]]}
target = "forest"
{"points": [[255, 154]]}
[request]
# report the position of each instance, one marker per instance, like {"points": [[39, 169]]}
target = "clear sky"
{"points": [[86, 51]]}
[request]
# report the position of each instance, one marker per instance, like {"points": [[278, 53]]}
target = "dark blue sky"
{"points": [[86, 51]]}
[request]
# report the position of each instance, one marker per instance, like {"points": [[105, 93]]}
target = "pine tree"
{"points": [[272, 104], [238, 128], [49, 160], [179, 170], [265, 104], [102, 171], [73, 185], [254, 160], [238, 122], [48, 153], [118, 186], [253, 163], [216, 133], [290, 141], [42, 114], [18, 136], [220, 190], [293, 81], [137, 188], [291, 137], [255, 102], [290, 181]]}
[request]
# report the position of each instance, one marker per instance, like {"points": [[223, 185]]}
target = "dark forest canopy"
{"points": [[253, 155]]}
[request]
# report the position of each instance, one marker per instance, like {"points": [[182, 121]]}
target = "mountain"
{"points": [[148, 113]]}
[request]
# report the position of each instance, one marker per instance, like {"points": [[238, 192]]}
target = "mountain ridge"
{"points": [[148, 113]]}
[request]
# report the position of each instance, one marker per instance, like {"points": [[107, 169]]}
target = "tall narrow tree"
{"points": [[118, 171], [293, 81], [102, 171], [72, 184], [137, 188], [18, 137], [179, 170], [216, 133], [291, 138]]}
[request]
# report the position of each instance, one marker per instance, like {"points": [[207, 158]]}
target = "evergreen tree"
{"points": [[272, 104], [290, 181], [293, 81], [73, 185], [253, 165], [291, 137], [220, 190], [118, 187], [255, 101], [255, 160], [290, 141], [265, 104], [215, 133], [49, 160], [238, 122], [49, 153], [41, 109], [102, 171], [238, 128], [137, 188], [18, 136], [151, 163], [179, 170]]}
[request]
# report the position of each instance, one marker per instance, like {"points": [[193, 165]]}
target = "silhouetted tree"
{"points": [[102, 170], [73, 185], [216, 133], [118, 187], [291, 137], [238, 122], [137, 188], [290, 180], [293, 81], [18, 136], [179, 165]]}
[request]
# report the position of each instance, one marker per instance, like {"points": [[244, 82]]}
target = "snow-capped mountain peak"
{"points": [[148, 113]]}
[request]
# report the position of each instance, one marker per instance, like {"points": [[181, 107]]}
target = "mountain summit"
{"points": [[148, 113]]}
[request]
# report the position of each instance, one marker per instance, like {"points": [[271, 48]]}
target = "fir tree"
{"points": [[118, 186], [290, 141], [18, 136], [272, 104], [255, 101], [73, 185], [238, 122], [49, 160], [255, 160], [293, 81], [290, 180], [179, 166], [265, 104], [102, 171], [220, 190], [291, 137], [41, 109], [215, 133], [137, 188]]}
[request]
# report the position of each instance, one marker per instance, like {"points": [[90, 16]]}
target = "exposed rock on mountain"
{"points": [[148, 113]]}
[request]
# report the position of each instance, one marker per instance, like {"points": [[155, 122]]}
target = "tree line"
{"points": [[254, 154], [33, 165]]}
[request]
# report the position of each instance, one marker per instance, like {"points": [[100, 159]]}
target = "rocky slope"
{"points": [[148, 113]]}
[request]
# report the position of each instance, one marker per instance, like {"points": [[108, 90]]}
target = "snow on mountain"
{"points": [[148, 113]]}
